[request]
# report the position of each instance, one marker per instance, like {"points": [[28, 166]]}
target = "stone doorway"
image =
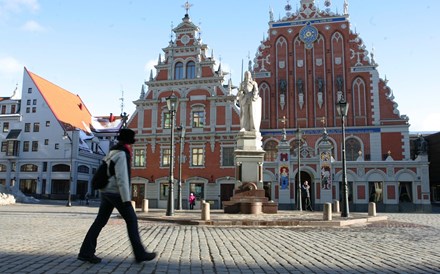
{"points": [[305, 176], [226, 192]]}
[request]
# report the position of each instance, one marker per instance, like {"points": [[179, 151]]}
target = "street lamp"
{"points": [[298, 138], [179, 186], [69, 196], [172, 103], [342, 108]]}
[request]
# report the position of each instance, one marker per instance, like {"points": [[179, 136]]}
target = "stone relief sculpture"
{"points": [[320, 83], [299, 86], [250, 104]]}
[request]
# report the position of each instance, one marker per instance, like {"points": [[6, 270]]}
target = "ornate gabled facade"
{"points": [[207, 117], [310, 60]]}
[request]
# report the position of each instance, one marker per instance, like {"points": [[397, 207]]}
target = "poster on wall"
{"points": [[326, 179], [284, 177]]}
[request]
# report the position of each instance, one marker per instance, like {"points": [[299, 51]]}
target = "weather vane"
{"points": [[187, 6]]}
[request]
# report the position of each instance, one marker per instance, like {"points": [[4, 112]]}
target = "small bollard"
{"points": [[327, 214], [145, 205], [336, 206], [133, 204], [201, 204], [206, 212], [372, 209]]}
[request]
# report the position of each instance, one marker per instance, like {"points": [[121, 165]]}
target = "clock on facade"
{"points": [[308, 34]]}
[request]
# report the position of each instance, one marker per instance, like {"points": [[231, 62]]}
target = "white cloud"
{"points": [[33, 26], [150, 66], [10, 7], [9, 65], [431, 122]]}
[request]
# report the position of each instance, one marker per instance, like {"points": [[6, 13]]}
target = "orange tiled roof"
{"points": [[67, 107]]}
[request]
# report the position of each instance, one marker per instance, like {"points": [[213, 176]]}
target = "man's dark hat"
{"points": [[126, 135]]}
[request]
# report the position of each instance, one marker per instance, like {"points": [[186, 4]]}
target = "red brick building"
{"points": [[310, 60], [207, 113]]}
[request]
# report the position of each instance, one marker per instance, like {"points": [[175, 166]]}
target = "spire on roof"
{"points": [[171, 33], [160, 59], [151, 75], [288, 8], [187, 6], [270, 14], [142, 92]]}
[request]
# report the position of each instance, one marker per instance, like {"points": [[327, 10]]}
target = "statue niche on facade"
{"points": [[250, 104]]}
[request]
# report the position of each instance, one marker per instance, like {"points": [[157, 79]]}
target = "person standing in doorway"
{"points": [[116, 194], [306, 189], [192, 200]]}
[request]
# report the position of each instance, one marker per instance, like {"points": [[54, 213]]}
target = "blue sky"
{"points": [[99, 48]]}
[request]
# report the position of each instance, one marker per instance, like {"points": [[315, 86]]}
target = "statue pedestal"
{"points": [[249, 196]]}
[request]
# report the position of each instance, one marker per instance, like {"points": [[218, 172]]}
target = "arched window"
{"points": [[271, 151], [178, 71], [61, 167], [29, 168], [352, 146], [190, 70], [83, 169]]}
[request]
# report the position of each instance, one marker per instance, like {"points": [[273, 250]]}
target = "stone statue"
{"points": [[421, 145], [299, 85], [250, 104]]}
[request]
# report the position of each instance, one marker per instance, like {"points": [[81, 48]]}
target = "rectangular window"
{"points": [[36, 127], [29, 90], [3, 109], [27, 127], [6, 127], [34, 145], [164, 191], [46, 142], [34, 109], [28, 102], [28, 110], [197, 157], [228, 156], [13, 147], [4, 146], [26, 146], [166, 155], [13, 109], [34, 102], [139, 158], [47, 123], [198, 118], [166, 120], [57, 146]]}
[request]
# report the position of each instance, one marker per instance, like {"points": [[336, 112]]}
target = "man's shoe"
{"points": [[93, 260], [148, 257]]}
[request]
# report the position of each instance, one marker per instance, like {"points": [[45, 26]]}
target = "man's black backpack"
{"points": [[103, 173]]}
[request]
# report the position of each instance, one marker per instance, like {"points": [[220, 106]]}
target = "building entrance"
{"points": [[226, 192]]}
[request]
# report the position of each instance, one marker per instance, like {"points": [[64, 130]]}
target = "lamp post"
{"points": [[172, 103], [342, 108], [298, 137], [179, 186], [69, 196]]}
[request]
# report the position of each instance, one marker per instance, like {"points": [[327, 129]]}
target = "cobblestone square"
{"points": [[46, 239]]}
